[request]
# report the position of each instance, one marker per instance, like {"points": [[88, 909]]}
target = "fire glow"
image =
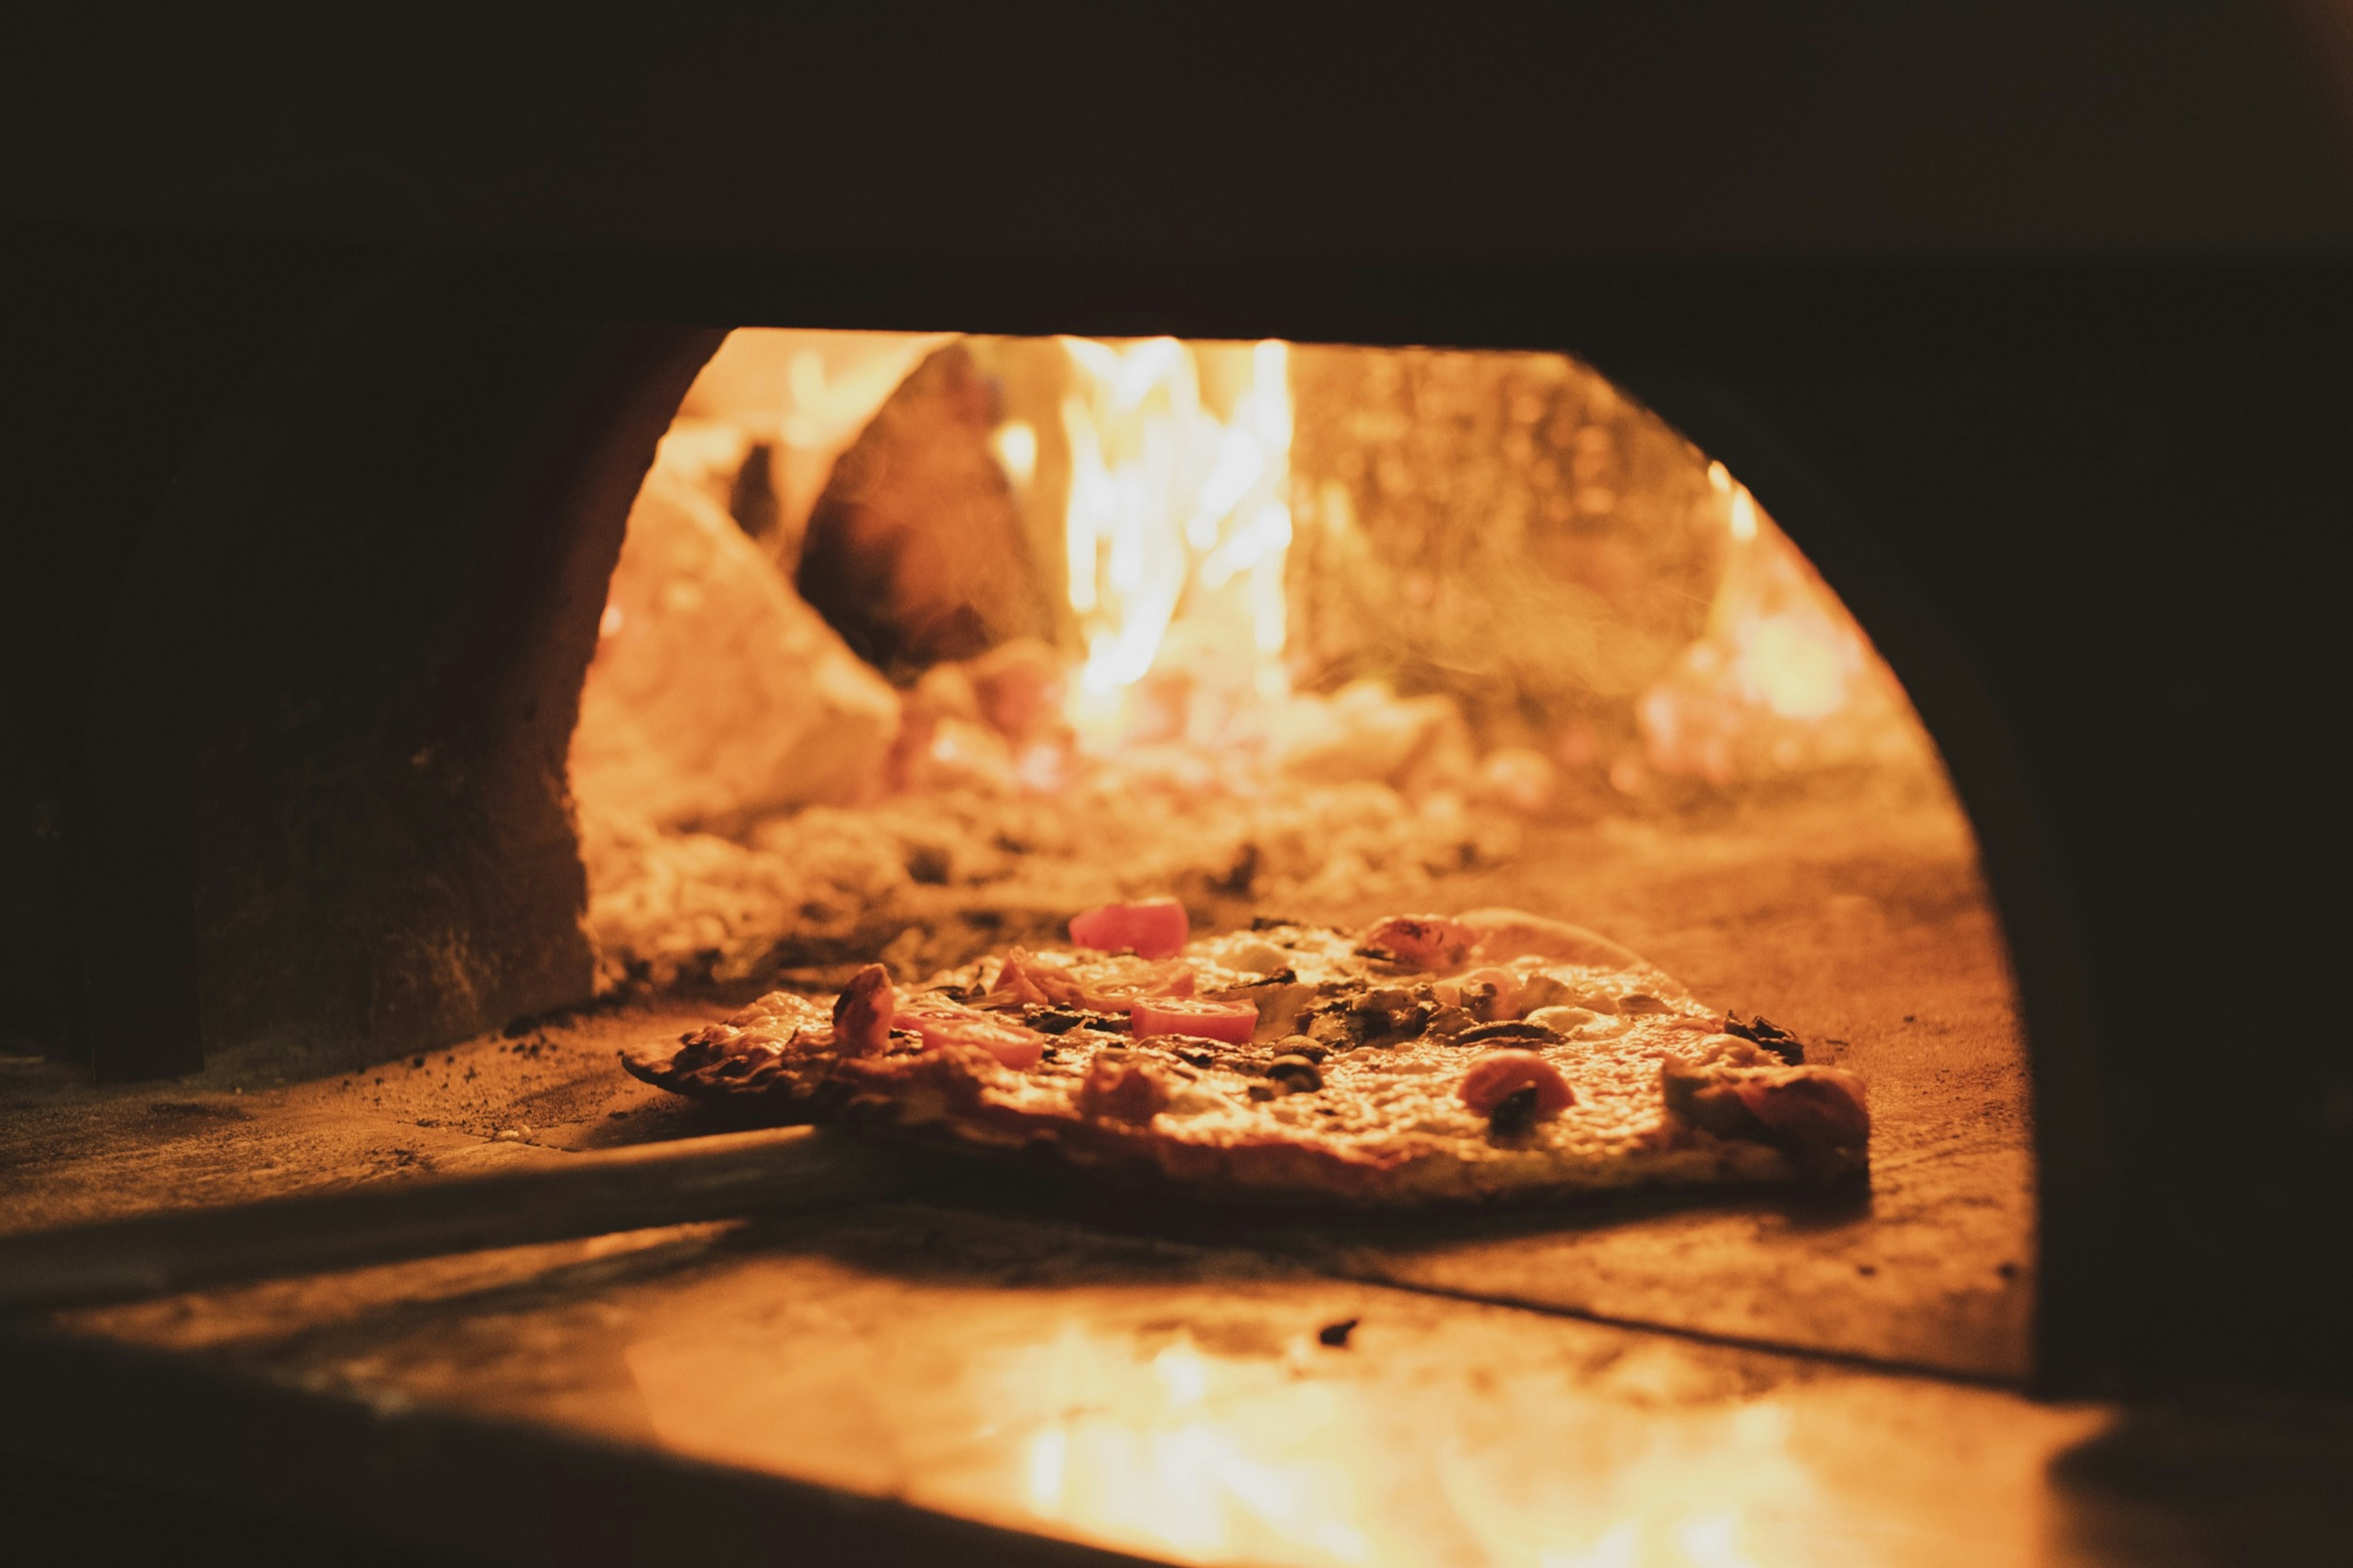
{"points": [[1177, 517], [1195, 709], [1308, 624], [1149, 1453], [1782, 679], [1166, 1446]]}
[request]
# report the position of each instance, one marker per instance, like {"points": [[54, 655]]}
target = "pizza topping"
{"points": [[1023, 978], [1499, 1073], [1117, 985], [1296, 1074], [1234, 1021], [1121, 1088], [1486, 993], [862, 1013], [1109, 985], [1705, 1101], [943, 1022], [1419, 942], [1737, 1089], [1768, 1034], [1386, 1015], [1814, 1108], [1512, 1029], [1253, 956], [778, 1024], [1515, 1113], [784, 1008], [1151, 928], [1383, 1018], [1541, 990], [1281, 1001], [1289, 1059]]}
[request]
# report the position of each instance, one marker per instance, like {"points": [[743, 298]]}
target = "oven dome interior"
{"points": [[918, 643], [924, 631]]}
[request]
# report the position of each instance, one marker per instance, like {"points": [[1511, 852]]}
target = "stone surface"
{"points": [[1160, 1382], [804, 396], [1508, 529], [1875, 947], [323, 805], [1196, 1403], [716, 695]]}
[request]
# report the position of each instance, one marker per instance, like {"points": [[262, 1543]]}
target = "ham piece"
{"points": [[1150, 928], [1233, 1022]]}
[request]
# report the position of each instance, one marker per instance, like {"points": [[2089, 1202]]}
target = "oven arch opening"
{"points": [[586, 397], [1720, 762]]}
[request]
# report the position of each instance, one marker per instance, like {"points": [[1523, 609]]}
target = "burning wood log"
{"points": [[917, 552]]}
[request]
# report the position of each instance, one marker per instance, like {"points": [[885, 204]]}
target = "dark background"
{"points": [[2033, 323]]}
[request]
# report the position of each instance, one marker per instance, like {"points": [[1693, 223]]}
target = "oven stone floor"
{"points": [[1756, 1382], [1870, 934], [1171, 1401]]}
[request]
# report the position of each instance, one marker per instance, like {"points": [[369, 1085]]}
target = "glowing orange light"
{"points": [[1177, 517], [1794, 664], [1782, 679]]}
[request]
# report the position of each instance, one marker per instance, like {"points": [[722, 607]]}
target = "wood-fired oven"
{"points": [[1980, 429]]}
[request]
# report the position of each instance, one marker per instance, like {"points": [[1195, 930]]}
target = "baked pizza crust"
{"points": [[1354, 1084]]}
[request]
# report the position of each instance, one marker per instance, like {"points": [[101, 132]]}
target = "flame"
{"points": [[1015, 446], [1793, 664], [1782, 679], [1178, 518], [1740, 507], [1794, 650]]}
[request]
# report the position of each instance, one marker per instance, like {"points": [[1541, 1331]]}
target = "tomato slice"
{"points": [[1233, 1022], [1151, 927]]}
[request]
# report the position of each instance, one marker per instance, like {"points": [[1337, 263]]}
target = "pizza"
{"points": [[1425, 1059]]}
